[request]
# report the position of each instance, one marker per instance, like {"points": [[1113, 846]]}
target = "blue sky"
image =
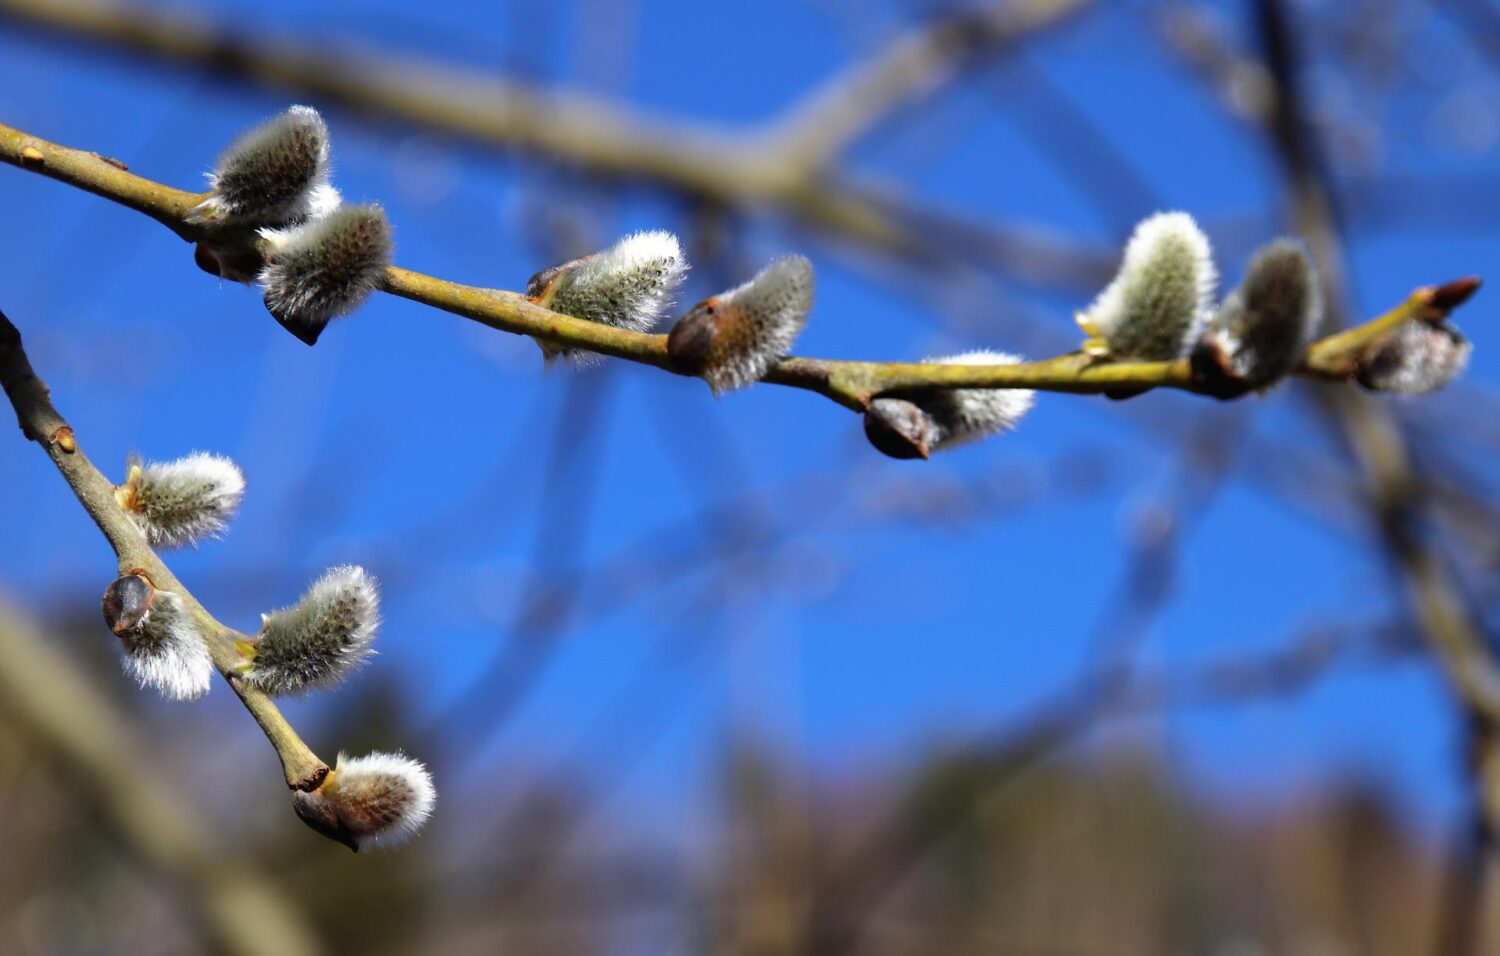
{"points": [[419, 444]]}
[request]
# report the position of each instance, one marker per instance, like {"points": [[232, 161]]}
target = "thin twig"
{"points": [[923, 59], [42, 423], [851, 384], [742, 170]]}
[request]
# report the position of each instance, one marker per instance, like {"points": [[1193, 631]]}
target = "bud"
{"points": [[920, 422], [381, 799], [732, 338], [320, 639], [1419, 357], [629, 286], [163, 648], [182, 502], [900, 429], [273, 175], [1162, 296], [234, 261], [325, 268], [1262, 330]]}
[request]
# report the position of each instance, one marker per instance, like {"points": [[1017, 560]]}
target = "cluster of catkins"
{"points": [[320, 257], [312, 644], [1160, 306], [323, 258]]}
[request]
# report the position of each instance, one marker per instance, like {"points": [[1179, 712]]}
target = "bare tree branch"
{"points": [[851, 384], [916, 63], [739, 170], [42, 423]]}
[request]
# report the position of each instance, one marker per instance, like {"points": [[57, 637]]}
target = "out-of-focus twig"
{"points": [[1393, 491], [738, 170], [913, 64], [73, 724], [1108, 685]]}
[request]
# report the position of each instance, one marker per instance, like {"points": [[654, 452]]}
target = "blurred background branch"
{"points": [[59, 714], [1154, 676]]}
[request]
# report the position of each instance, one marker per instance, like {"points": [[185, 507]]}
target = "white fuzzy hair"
{"points": [[1263, 328], [266, 178], [1162, 298], [181, 502], [165, 651], [407, 785], [328, 266], [1419, 357], [775, 303], [630, 285], [320, 639], [961, 415]]}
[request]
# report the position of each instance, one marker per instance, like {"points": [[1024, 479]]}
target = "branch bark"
{"points": [[850, 383], [748, 170], [41, 422]]}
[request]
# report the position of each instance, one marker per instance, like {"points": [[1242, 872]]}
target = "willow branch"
{"points": [[850, 383], [74, 725], [741, 170], [41, 422], [912, 65]]}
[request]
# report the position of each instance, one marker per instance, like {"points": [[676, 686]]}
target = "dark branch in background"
{"points": [[42, 423], [1393, 493], [918, 822], [782, 168], [851, 384], [70, 722]]}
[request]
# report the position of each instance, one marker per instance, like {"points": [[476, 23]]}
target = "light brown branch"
{"points": [[42, 423], [850, 383], [912, 65], [746, 171]]}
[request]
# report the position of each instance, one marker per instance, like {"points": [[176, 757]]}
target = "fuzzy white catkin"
{"points": [[965, 414], [630, 285], [1263, 328], [325, 268], [320, 639], [1162, 298], [273, 175], [758, 322], [182, 502], [377, 800], [165, 651], [916, 423], [1418, 358]]}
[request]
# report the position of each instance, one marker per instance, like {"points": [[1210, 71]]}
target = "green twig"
{"points": [[42, 423]]}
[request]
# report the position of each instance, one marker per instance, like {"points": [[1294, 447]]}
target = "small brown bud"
{"points": [[733, 338], [235, 263], [162, 645], [1451, 295], [538, 285], [898, 428], [126, 603], [690, 343], [1213, 370], [323, 818], [31, 156]]}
